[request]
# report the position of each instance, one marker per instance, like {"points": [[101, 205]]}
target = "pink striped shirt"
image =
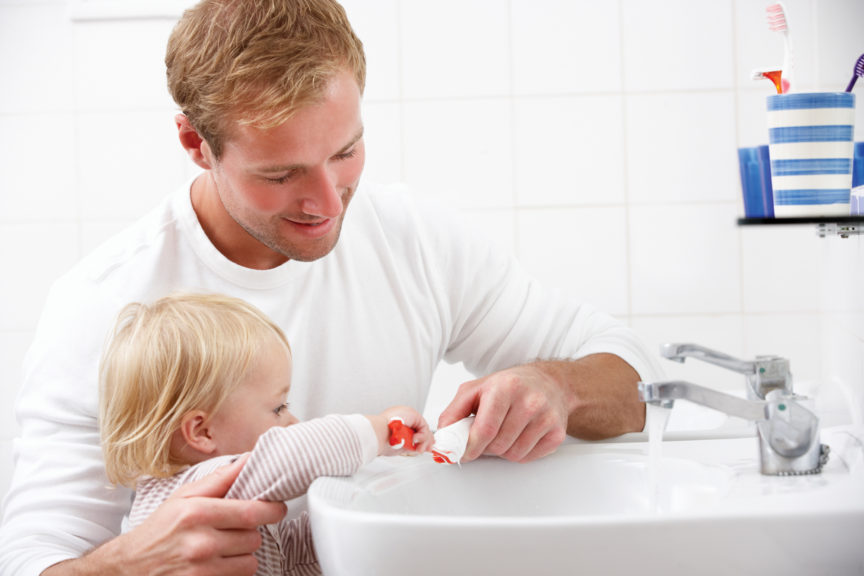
{"points": [[282, 466]]}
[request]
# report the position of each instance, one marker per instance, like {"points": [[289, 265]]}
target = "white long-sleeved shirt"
{"points": [[406, 286], [281, 467]]}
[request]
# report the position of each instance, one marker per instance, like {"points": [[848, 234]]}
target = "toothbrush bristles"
{"points": [[776, 18]]}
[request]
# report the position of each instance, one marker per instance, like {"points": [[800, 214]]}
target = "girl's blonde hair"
{"points": [[183, 352], [255, 62]]}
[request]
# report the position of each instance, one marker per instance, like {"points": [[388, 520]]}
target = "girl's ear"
{"points": [[194, 427], [196, 147]]}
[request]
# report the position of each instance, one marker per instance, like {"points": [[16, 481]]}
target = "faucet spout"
{"points": [[665, 393]]}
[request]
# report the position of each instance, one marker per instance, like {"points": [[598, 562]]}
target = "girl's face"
{"points": [[257, 404]]}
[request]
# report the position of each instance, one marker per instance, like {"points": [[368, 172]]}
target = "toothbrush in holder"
{"points": [[858, 72], [778, 21]]}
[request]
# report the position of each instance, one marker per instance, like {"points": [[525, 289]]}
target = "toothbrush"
{"points": [[858, 72], [773, 75], [778, 21]]}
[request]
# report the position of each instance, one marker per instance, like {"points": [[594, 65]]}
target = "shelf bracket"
{"points": [[842, 230]]}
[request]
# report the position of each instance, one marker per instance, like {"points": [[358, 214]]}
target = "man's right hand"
{"points": [[194, 532]]}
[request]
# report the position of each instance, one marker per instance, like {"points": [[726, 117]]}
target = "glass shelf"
{"points": [[843, 226]]}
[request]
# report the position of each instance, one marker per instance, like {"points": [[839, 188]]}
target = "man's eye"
{"points": [[346, 155], [281, 179]]}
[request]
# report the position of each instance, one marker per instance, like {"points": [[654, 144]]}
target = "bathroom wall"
{"points": [[594, 139]]}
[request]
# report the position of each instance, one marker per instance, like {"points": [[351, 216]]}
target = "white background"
{"points": [[595, 139]]}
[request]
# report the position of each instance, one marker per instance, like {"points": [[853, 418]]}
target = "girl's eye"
{"points": [[282, 407]]}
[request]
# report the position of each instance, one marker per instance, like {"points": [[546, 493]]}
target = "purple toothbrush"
{"points": [[859, 72]]}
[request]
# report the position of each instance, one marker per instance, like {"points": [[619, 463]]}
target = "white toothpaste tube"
{"points": [[450, 442]]}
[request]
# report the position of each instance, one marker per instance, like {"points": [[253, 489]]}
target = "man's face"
{"points": [[288, 187]]}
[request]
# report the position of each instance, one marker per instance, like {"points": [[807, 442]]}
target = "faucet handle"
{"points": [[770, 373], [764, 374], [789, 438], [791, 429]]}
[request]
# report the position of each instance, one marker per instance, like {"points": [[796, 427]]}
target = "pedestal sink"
{"points": [[591, 509]]}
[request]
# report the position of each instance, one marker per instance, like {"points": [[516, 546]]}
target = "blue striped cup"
{"points": [[810, 139]]}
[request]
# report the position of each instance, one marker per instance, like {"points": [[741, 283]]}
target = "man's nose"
{"points": [[322, 197]]}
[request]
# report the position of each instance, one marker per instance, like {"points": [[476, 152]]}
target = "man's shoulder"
{"points": [[134, 251], [398, 209]]}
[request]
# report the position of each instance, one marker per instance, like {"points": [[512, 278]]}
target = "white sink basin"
{"points": [[591, 509]]}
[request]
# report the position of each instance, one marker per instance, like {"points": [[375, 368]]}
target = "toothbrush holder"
{"points": [[810, 138]]}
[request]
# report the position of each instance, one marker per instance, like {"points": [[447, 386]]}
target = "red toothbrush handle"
{"points": [[401, 436]]}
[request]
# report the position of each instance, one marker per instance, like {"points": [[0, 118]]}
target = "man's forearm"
{"points": [[100, 560], [602, 394]]}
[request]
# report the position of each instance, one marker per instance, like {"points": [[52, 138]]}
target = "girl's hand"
{"points": [[423, 439]]}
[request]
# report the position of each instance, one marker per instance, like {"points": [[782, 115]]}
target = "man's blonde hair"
{"points": [[256, 62], [183, 352]]}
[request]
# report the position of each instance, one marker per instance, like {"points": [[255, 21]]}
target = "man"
{"points": [[270, 97]]}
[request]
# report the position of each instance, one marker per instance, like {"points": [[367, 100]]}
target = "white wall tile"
{"points": [[455, 48], [684, 259], [752, 119], [723, 333], [677, 44], [681, 147], [129, 161], [52, 247], [461, 151], [835, 20], [382, 134], [569, 150], [581, 251], [36, 64], [841, 270], [779, 268], [565, 46], [377, 26], [37, 179], [842, 377], [120, 65], [792, 336]]}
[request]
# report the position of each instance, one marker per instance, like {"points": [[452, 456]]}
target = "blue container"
{"points": [[858, 165], [755, 166]]}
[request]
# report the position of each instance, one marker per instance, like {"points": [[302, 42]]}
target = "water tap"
{"points": [[788, 432]]}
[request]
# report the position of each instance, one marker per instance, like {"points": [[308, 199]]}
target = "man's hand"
{"points": [[525, 412], [521, 414], [194, 532]]}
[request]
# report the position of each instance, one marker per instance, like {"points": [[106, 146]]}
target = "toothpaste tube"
{"points": [[450, 442]]}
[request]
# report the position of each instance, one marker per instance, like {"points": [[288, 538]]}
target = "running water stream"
{"points": [[657, 419]]}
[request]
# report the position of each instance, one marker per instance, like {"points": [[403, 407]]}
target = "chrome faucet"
{"points": [[788, 432], [764, 374]]}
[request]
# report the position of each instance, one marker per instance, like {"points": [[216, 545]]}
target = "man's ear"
{"points": [[196, 147], [194, 428]]}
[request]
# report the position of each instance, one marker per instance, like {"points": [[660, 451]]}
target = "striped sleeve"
{"points": [[285, 461]]}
